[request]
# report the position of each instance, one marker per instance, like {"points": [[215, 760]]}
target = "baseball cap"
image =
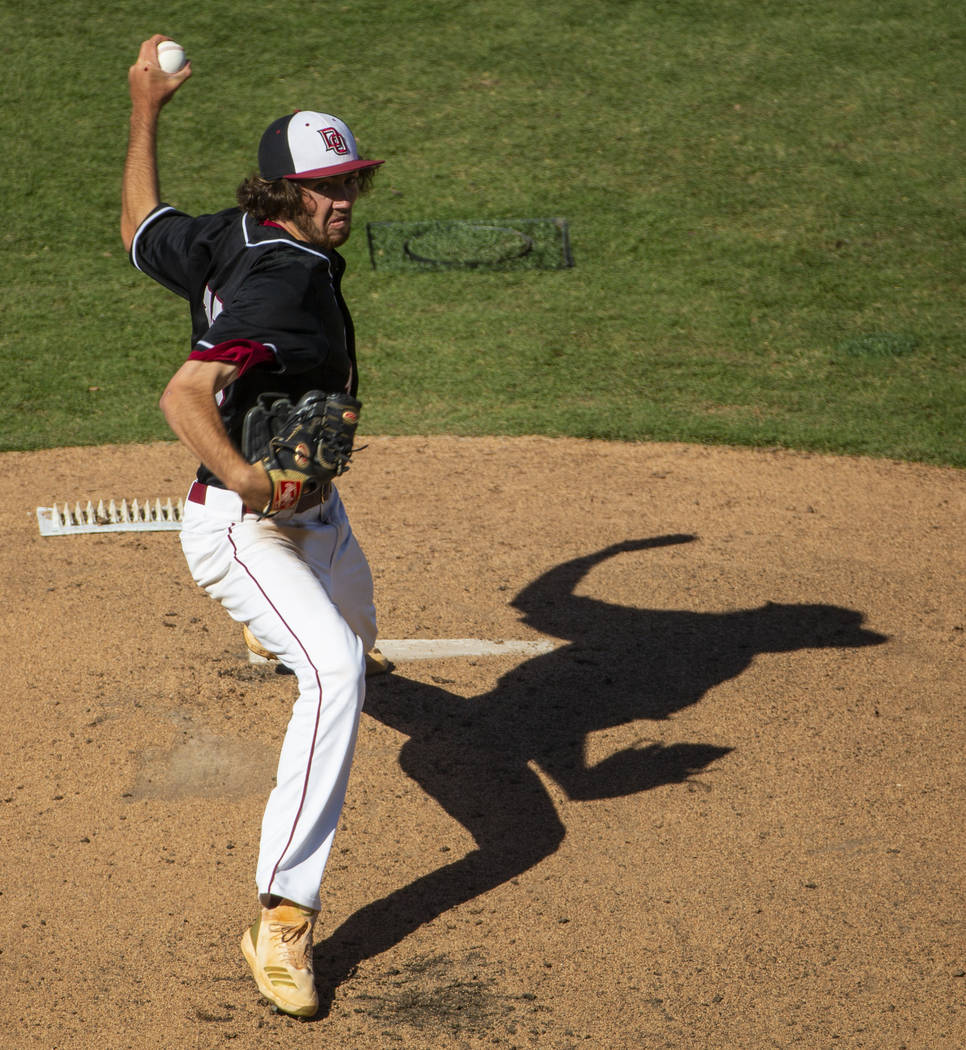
{"points": [[309, 145]]}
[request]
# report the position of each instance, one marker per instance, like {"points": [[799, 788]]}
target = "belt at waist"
{"points": [[231, 501], [224, 499]]}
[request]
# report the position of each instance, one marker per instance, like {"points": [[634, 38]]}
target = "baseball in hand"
{"points": [[170, 56]]}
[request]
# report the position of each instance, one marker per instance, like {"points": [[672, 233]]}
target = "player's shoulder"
{"points": [[167, 224], [235, 238], [165, 214], [169, 237]]}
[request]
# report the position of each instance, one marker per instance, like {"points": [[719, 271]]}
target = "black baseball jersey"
{"points": [[257, 295]]}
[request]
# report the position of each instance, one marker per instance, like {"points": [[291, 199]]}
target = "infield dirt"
{"points": [[725, 812]]}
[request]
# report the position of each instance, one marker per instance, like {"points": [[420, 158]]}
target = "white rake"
{"points": [[149, 516]]}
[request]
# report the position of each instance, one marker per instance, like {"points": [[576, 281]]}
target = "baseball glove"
{"points": [[302, 448]]}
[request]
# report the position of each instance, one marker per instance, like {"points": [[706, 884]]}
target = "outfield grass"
{"points": [[765, 203]]}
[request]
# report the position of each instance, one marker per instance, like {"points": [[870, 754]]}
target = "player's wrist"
{"points": [[252, 483], [260, 491]]}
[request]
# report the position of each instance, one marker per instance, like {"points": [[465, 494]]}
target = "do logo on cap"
{"points": [[334, 141], [309, 145]]}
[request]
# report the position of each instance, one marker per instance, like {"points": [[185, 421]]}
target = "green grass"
{"points": [[765, 205]]}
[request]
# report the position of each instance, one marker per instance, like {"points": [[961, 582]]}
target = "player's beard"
{"points": [[310, 233]]}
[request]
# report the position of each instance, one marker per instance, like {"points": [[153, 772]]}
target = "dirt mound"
{"points": [[723, 809]]}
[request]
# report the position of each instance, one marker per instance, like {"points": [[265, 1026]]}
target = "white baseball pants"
{"points": [[304, 588]]}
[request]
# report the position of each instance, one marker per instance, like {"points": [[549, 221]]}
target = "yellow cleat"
{"points": [[278, 947]]}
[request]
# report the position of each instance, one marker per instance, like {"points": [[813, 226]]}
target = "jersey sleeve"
{"points": [[244, 354], [161, 246]]}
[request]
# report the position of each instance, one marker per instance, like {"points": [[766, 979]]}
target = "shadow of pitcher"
{"points": [[476, 756]]}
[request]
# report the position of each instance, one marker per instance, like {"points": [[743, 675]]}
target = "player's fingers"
{"points": [[183, 73], [148, 52]]}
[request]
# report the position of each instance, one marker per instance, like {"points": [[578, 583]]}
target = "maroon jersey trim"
{"points": [[245, 353]]}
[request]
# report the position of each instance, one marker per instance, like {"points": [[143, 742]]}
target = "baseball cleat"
{"points": [[278, 947], [376, 662], [255, 648]]}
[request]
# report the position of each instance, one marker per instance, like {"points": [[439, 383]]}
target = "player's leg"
{"points": [[305, 589], [342, 567], [280, 579], [326, 654], [259, 574], [347, 579], [287, 603]]}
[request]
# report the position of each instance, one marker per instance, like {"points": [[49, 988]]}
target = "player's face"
{"points": [[328, 203]]}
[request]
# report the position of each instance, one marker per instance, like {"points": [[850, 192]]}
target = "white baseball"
{"points": [[170, 56]]}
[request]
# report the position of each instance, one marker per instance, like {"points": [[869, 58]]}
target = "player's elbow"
{"points": [[129, 227], [173, 396], [192, 390], [165, 402]]}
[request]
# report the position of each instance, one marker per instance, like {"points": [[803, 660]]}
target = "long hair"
{"points": [[281, 199]]}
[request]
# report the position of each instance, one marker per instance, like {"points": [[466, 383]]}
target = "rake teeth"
{"points": [[147, 516]]}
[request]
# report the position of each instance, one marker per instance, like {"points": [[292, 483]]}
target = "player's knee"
{"points": [[342, 663]]}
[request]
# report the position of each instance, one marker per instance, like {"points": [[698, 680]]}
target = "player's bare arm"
{"points": [[150, 88], [188, 404]]}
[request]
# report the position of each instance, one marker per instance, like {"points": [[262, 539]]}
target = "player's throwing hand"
{"points": [[150, 86]]}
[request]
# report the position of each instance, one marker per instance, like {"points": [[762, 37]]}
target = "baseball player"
{"points": [[262, 283]]}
